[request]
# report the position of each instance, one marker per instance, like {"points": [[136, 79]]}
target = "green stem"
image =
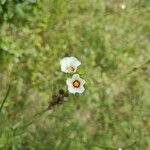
{"points": [[109, 148], [131, 145], [31, 120], [5, 98], [132, 70], [139, 67]]}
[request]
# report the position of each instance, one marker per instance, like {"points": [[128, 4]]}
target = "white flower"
{"points": [[75, 84], [69, 64], [120, 149]]}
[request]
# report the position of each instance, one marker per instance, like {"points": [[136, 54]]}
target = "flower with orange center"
{"points": [[69, 64], [75, 84]]}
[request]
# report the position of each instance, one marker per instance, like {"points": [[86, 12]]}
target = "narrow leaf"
{"points": [[5, 98]]}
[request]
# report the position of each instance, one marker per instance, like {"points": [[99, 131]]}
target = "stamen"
{"points": [[76, 84], [71, 69]]}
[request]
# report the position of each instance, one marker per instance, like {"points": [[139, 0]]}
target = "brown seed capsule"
{"points": [[61, 92]]}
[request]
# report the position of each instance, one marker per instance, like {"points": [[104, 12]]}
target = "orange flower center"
{"points": [[71, 69], [76, 84]]}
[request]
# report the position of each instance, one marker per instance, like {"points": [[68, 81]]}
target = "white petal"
{"points": [[69, 81], [64, 64], [76, 90], [82, 81], [81, 90], [64, 60], [75, 61], [63, 69], [76, 76], [71, 90]]}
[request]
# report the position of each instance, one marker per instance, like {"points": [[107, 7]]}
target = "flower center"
{"points": [[71, 69], [76, 84]]}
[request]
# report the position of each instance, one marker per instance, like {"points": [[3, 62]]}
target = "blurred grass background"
{"points": [[110, 38]]}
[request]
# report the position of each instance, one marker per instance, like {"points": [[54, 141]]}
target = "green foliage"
{"points": [[112, 43]]}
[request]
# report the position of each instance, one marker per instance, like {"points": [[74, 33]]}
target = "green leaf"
{"points": [[3, 2]]}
